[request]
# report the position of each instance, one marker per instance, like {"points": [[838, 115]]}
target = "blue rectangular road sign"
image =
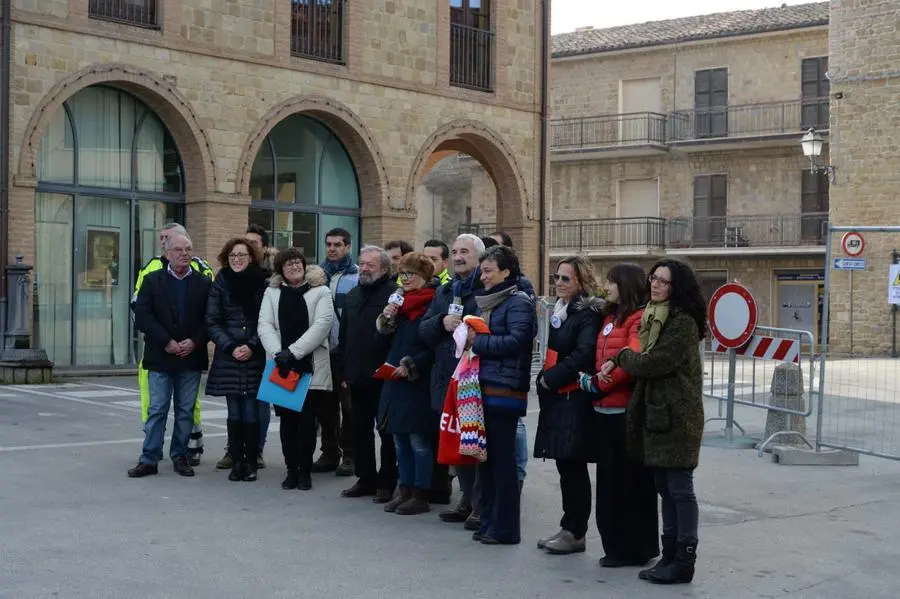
{"points": [[850, 263]]}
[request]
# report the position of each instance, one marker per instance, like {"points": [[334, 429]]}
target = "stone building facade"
{"points": [[864, 50], [681, 138], [216, 113]]}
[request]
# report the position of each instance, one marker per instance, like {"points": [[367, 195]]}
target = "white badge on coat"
{"points": [[607, 329], [555, 321]]}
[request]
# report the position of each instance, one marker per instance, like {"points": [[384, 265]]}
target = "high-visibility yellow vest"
{"points": [[198, 264]]}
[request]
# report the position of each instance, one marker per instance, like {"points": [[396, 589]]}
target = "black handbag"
{"points": [[563, 425]]}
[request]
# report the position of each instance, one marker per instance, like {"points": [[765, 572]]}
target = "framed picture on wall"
{"points": [[101, 259]]}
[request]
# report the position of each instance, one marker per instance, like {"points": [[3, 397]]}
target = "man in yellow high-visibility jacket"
{"points": [[195, 445], [439, 253]]}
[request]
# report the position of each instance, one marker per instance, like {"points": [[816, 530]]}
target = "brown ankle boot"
{"points": [[418, 504], [404, 495]]}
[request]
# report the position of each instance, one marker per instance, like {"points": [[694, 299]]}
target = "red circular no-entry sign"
{"points": [[853, 243], [732, 315]]}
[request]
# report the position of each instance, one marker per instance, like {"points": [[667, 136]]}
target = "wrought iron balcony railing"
{"points": [[749, 120], [768, 230], [471, 64], [608, 234], [317, 29], [608, 130], [141, 13]]}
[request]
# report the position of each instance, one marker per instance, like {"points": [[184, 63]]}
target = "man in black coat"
{"points": [[362, 352], [453, 301], [171, 312]]}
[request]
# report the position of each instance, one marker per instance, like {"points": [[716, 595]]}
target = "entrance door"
{"points": [[798, 306], [639, 97]]}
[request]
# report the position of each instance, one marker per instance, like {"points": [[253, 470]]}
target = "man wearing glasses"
{"points": [[195, 445], [171, 312]]}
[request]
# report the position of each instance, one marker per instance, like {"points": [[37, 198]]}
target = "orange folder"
{"points": [[477, 324], [385, 372], [549, 362]]}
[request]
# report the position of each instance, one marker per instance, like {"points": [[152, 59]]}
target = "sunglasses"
{"points": [[564, 278]]}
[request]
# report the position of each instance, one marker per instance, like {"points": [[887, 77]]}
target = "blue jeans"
{"points": [[265, 416], [521, 448], [163, 385], [242, 408], [415, 459]]}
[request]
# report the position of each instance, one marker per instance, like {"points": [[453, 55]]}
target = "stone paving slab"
{"points": [[74, 526]]}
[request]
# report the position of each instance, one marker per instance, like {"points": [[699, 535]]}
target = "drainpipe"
{"points": [[5, 62], [545, 110]]}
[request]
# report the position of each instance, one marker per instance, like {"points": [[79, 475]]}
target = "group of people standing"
{"points": [[622, 389]]}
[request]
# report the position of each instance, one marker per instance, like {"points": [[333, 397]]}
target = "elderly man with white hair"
{"points": [[453, 301], [171, 312]]}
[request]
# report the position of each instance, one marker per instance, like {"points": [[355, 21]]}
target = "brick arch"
{"points": [[347, 126], [153, 90], [492, 152]]}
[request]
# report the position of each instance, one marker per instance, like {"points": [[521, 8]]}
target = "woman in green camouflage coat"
{"points": [[665, 414]]}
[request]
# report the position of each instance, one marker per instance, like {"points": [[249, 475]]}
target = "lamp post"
{"points": [[812, 144]]}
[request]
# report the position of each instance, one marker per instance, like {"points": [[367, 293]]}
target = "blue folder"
{"points": [[271, 393]]}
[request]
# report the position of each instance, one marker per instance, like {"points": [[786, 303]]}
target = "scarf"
{"points": [[463, 288], [345, 265], [246, 288], [293, 321], [415, 303], [655, 316], [560, 313], [498, 294]]}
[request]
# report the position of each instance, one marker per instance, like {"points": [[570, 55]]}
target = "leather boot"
{"points": [[680, 570], [417, 504], [403, 495], [236, 444], [565, 544], [251, 450], [668, 554]]}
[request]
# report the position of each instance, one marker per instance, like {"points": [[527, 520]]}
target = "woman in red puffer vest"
{"points": [[626, 496]]}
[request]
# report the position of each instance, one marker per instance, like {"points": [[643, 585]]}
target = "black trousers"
{"points": [[575, 485], [298, 433], [499, 478], [679, 504], [364, 401], [626, 496], [333, 415]]}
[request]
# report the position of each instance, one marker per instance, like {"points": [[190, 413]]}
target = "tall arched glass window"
{"points": [[109, 176], [303, 184]]}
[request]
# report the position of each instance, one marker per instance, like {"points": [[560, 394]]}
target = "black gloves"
{"points": [[284, 360]]}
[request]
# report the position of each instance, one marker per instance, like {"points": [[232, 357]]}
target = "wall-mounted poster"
{"points": [[101, 268]]}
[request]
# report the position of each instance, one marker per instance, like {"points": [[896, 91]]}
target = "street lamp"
{"points": [[812, 144]]}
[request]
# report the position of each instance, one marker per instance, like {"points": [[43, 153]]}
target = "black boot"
{"points": [[290, 481], [668, 554], [251, 450], [680, 570], [236, 443]]}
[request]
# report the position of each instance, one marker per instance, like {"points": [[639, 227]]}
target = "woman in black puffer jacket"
{"points": [[232, 313]]}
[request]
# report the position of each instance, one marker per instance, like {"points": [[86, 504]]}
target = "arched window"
{"points": [[109, 176], [302, 185]]}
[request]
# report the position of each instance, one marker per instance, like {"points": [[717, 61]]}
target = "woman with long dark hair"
{"points": [[665, 415], [232, 312], [564, 422], [294, 326], [626, 498]]}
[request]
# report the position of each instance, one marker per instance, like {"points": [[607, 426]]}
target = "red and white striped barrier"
{"points": [[766, 348]]}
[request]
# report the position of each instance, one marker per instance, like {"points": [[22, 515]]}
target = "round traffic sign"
{"points": [[853, 243], [732, 315]]}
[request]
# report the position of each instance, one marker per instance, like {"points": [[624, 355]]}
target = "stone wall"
{"points": [[864, 49]]}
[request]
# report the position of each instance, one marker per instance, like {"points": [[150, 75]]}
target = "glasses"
{"points": [[405, 274], [238, 256], [294, 264], [660, 280], [564, 278]]}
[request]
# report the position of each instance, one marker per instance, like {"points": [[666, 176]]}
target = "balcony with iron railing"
{"points": [[767, 233], [471, 62], [139, 13], [647, 133], [614, 132], [806, 229], [768, 119], [317, 30]]}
